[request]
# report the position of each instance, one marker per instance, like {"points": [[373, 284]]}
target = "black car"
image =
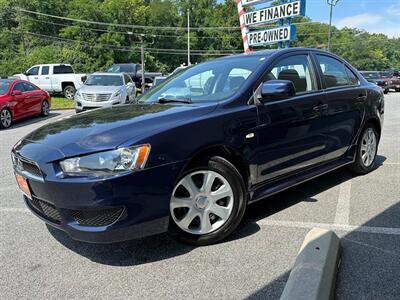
{"points": [[378, 78], [200, 147]]}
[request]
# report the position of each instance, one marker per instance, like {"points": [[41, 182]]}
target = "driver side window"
{"points": [[295, 69], [33, 71], [19, 87]]}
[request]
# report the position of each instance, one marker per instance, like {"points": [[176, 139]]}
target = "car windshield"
{"points": [[120, 68], [371, 75], [4, 86], [104, 80], [207, 82]]}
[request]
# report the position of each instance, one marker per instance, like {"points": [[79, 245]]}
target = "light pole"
{"points": [[141, 37], [331, 3], [188, 31]]}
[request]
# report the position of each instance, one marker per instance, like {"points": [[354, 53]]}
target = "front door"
{"points": [[291, 133], [345, 104], [33, 75], [44, 79]]}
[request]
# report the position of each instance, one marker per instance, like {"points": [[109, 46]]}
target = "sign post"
{"points": [[280, 13], [244, 29]]}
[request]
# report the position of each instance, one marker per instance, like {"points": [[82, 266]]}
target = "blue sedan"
{"points": [[200, 147]]}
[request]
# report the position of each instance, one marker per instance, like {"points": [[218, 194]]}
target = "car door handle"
{"points": [[47, 77], [36, 77], [321, 108], [361, 98]]}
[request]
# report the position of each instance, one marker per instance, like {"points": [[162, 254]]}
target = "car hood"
{"points": [[108, 128], [95, 89]]}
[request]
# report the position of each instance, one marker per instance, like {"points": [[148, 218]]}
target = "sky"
{"points": [[374, 16]]}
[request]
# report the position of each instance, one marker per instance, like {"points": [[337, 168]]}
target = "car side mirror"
{"points": [[275, 90], [16, 93]]}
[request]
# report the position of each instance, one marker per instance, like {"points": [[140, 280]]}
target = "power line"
{"points": [[129, 49], [141, 26]]}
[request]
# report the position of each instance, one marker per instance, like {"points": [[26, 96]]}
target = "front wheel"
{"points": [[207, 203], [5, 118], [366, 151], [69, 92]]}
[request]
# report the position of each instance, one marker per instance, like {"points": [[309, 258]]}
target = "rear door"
{"points": [[346, 101], [292, 132]]}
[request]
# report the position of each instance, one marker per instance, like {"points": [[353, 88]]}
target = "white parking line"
{"points": [[343, 205], [340, 227]]}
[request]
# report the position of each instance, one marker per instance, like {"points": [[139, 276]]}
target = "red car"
{"points": [[20, 99]]}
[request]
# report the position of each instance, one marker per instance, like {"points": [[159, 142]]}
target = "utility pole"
{"points": [[331, 3], [142, 58], [188, 33]]}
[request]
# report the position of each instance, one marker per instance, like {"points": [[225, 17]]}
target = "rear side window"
{"points": [[333, 72], [63, 70], [127, 79], [45, 70], [296, 69], [353, 80], [29, 87]]}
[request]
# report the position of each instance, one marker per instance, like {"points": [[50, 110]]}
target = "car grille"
{"points": [[23, 165], [45, 209], [96, 218], [97, 97]]}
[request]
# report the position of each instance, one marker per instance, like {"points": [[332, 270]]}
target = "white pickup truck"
{"points": [[54, 78]]}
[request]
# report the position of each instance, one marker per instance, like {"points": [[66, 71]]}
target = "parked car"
{"points": [[377, 78], [20, 99], [198, 149], [393, 80], [135, 71], [54, 78], [105, 90]]}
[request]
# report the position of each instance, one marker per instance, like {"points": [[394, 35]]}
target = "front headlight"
{"points": [[109, 162], [78, 95]]}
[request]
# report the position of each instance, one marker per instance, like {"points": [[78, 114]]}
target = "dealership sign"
{"points": [[271, 36], [275, 13], [280, 12]]}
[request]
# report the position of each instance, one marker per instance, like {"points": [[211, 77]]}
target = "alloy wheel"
{"points": [[5, 118], [45, 108], [368, 147], [69, 92], [201, 202]]}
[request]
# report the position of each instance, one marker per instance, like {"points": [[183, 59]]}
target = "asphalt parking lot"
{"points": [[37, 262]]}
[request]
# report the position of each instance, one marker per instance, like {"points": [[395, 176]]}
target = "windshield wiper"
{"points": [[165, 100]]}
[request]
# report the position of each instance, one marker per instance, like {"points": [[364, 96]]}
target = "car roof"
{"points": [[270, 52]]}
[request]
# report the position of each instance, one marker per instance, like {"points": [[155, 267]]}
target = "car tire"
{"points": [[386, 92], [397, 90], [367, 150], [69, 92], [45, 111], [209, 181], [5, 118]]}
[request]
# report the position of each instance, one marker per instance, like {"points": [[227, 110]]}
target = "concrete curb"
{"points": [[313, 276]]}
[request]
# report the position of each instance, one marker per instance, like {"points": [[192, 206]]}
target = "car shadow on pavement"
{"points": [[31, 120], [163, 247]]}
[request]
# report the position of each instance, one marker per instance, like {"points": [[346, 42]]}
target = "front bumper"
{"points": [[81, 105], [105, 211]]}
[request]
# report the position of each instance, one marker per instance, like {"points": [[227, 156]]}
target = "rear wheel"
{"points": [[5, 118], [69, 92], [366, 151], [386, 91], [207, 203], [397, 90], [45, 109]]}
